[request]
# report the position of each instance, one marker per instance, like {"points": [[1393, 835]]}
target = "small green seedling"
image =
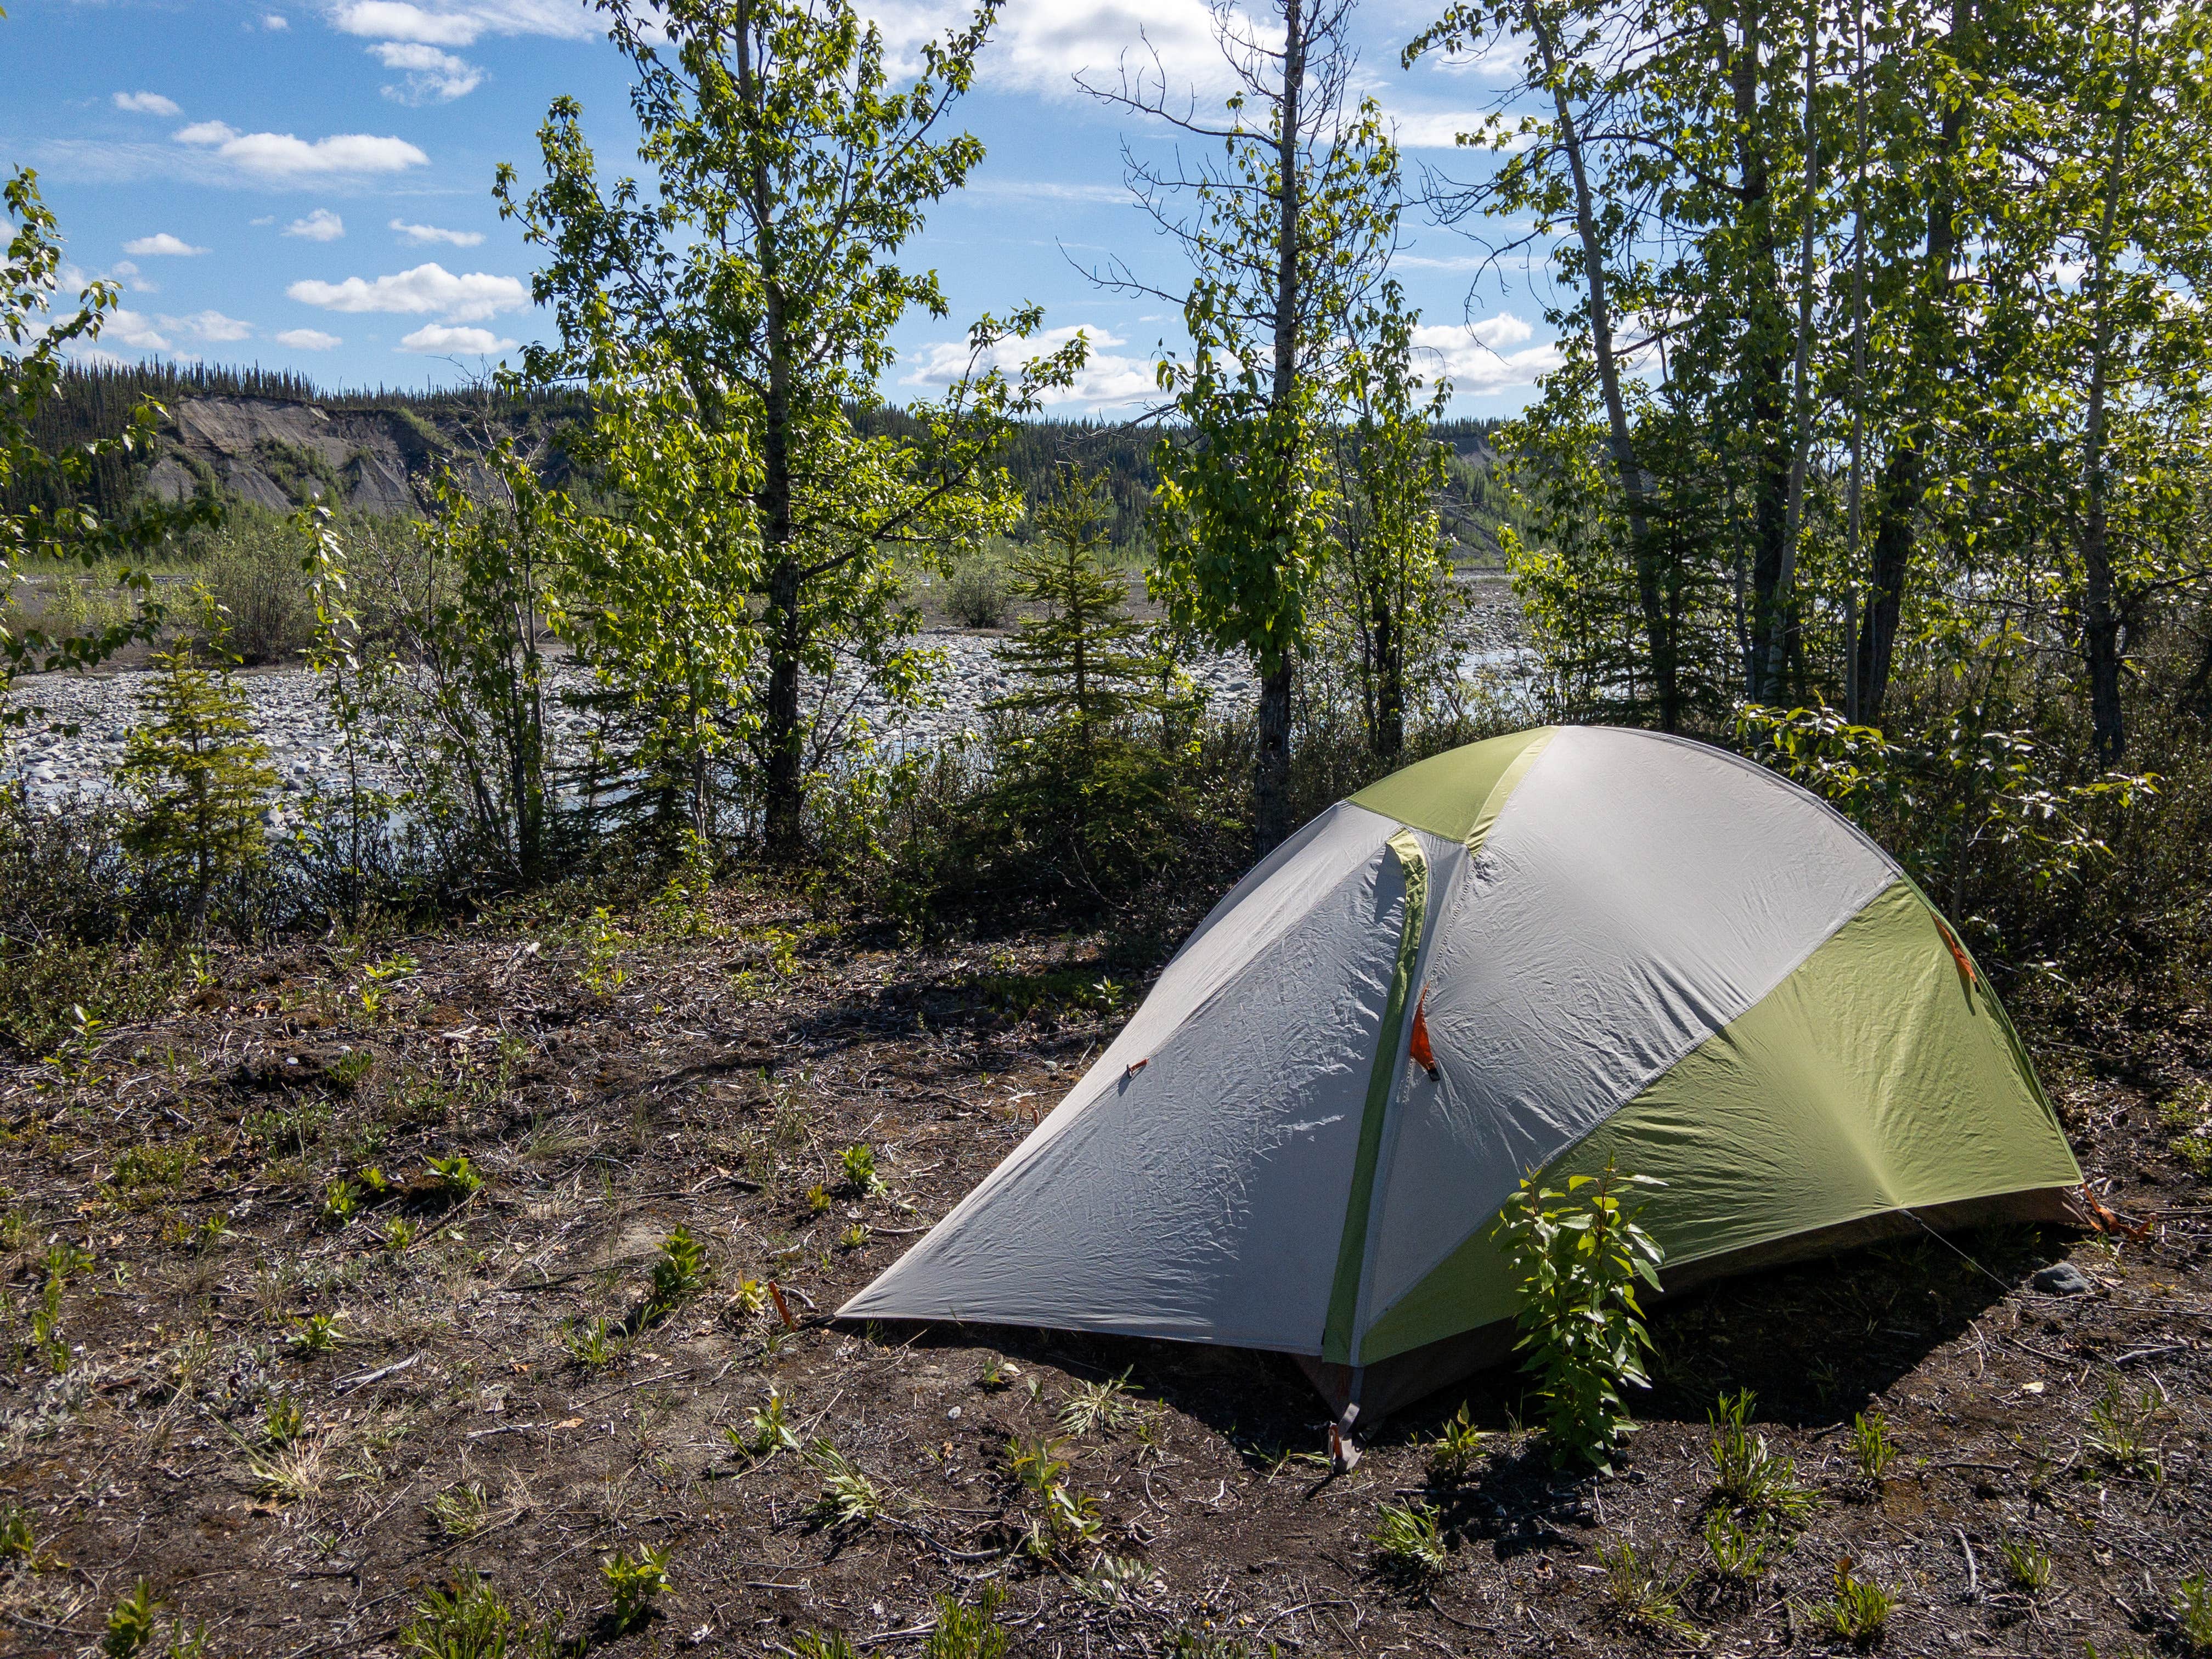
{"points": [[457, 1178], [341, 1201], [634, 1580], [2027, 1564], [594, 1344], [859, 1162], [680, 1271], [1407, 1542], [1871, 1446], [283, 1421], [1859, 1608], [130, 1623], [316, 1334], [1455, 1452]]}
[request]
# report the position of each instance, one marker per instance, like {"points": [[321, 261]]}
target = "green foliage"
{"points": [[2027, 1564], [1972, 800], [975, 593], [1455, 1451], [1752, 1480], [2191, 1602], [1872, 1449], [49, 520], [753, 290], [1068, 1516], [195, 775], [1576, 1256], [678, 1273], [341, 1201], [858, 1163], [1643, 1588], [848, 1498], [461, 1510], [1103, 1406], [602, 974], [456, 1178], [971, 1632], [1393, 564], [1858, 1609], [282, 1420], [470, 1619], [1738, 1552], [18, 1542], [1080, 658], [458, 677], [769, 1429], [594, 1342], [316, 1334], [2120, 1427], [1407, 1542], [131, 1623], [634, 1581]]}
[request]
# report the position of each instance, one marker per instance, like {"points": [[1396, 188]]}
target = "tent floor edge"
{"points": [[1391, 1384]]}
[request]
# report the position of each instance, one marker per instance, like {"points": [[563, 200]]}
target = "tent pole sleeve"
{"points": [[1352, 1251]]}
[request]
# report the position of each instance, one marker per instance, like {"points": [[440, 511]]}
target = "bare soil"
{"points": [[168, 1175]]}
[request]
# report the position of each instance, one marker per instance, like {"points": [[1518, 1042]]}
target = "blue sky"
{"points": [[306, 184]]}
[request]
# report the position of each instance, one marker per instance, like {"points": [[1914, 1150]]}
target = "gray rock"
{"points": [[2063, 1279]]}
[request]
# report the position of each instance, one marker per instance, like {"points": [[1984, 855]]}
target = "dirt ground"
{"points": [[296, 1426]]}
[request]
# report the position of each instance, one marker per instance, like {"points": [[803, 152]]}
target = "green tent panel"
{"points": [[1607, 946], [1805, 1115]]}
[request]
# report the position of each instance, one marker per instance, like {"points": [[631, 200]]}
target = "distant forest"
{"points": [[95, 402]]}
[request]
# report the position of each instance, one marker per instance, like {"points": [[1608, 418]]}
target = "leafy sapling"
{"points": [[1576, 1254]]}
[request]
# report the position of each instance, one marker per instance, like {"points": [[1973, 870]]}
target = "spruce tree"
{"points": [[197, 776], [1081, 657]]}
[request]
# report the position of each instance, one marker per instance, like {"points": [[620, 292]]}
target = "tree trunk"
{"points": [[1628, 471], [2100, 621], [1765, 335], [783, 825], [1904, 476], [1389, 649], [1801, 421], [1271, 780]]}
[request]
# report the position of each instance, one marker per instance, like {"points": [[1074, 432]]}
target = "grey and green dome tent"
{"points": [[1543, 951]]}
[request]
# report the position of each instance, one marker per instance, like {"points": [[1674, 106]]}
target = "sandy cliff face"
{"points": [[283, 455]]}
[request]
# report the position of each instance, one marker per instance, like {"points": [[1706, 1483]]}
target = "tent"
{"points": [[1544, 952]]}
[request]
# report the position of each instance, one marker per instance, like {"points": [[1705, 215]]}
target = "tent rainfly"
{"points": [[1544, 952]]}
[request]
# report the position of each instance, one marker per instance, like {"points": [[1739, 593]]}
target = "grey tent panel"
{"points": [[1636, 894], [1203, 1195]]}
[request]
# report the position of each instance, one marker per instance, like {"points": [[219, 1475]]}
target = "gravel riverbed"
{"points": [[89, 716]]}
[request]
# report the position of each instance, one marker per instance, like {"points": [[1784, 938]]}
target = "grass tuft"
{"points": [[1407, 1542]]}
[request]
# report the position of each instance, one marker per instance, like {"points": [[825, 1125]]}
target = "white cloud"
{"points": [[459, 22], [307, 339], [132, 328], [424, 235], [393, 20], [437, 337], [145, 103], [428, 288], [211, 326], [433, 76], [1106, 379], [276, 21], [1438, 128], [1042, 48], [281, 155], [1047, 190], [321, 226], [1475, 358], [160, 243]]}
